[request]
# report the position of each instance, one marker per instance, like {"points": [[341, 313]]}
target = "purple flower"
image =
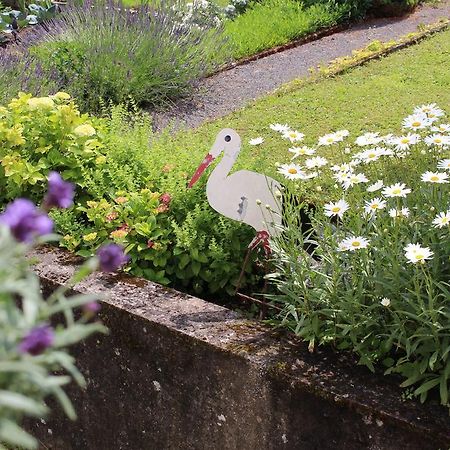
{"points": [[60, 193], [25, 220], [37, 340], [111, 257], [91, 308]]}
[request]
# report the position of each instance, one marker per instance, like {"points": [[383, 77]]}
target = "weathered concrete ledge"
{"points": [[177, 372]]}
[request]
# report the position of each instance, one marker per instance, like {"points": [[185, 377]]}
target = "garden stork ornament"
{"points": [[245, 196]]}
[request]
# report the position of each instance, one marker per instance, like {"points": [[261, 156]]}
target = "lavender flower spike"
{"points": [[25, 220], [60, 193], [37, 340], [111, 257]]}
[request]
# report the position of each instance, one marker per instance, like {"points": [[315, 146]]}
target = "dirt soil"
{"points": [[230, 90]]}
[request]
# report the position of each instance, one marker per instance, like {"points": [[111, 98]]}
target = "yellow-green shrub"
{"points": [[42, 133]]}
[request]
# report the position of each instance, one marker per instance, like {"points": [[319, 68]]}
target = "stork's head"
{"points": [[227, 141]]}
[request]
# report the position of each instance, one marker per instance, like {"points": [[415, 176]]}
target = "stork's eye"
{"points": [[227, 138]]}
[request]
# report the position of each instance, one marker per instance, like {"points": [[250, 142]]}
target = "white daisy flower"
{"points": [[387, 138], [444, 164], [342, 177], [372, 206], [417, 122], [416, 254], [279, 127], [403, 142], [442, 128], [354, 178], [438, 140], [344, 167], [396, 190], [291, 171], [302, 151], [342, 247], [403, 212], [293, 135], [435, 177], [295, 172], [353, 243], [431, 110], [256, 141], [341, 134], [368, 139], [375, 186], [442, 219], [336, 209], [385, 302], [370, 155], [329, 139], [317, 161]]}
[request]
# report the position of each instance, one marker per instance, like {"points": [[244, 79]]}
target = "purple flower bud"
{"points": [[60, 193], [25, 220], [111, 257], [92, 307], [37, 340]]}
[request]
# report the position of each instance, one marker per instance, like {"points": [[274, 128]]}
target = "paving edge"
{"points": [[341, 65], [274, 367]]}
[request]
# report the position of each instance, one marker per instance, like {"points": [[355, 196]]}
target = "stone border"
{"points": [[177, 372]]}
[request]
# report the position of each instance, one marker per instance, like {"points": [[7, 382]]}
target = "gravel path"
{"points": [[233, 89]]}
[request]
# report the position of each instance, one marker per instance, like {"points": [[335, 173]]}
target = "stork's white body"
{"points": [[245, 196]]}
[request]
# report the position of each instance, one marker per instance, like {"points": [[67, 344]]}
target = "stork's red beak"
{"points": [[201, 168]]}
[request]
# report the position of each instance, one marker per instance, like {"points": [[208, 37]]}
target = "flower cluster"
{"points": [[422, 129], [371, 271]]}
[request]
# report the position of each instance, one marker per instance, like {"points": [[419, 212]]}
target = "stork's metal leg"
{"points": [[261, 238], [244, 266]]}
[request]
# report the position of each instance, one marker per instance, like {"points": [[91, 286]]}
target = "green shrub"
{"points": [[130, 190], [372, 275]]}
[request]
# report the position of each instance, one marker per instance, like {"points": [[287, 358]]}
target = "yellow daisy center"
{"points": [[396, 191], [416, 124], [437, 140], [356, 244], [374, 206], [292, 171], [330, 139], [335, 209], [434, 178], [404, 141]]}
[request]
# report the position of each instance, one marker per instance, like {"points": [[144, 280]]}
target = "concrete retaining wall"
{"points": [[177, 372]]}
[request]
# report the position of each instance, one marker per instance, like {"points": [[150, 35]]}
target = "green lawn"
{"points": [[375, 96], [270, 23]]}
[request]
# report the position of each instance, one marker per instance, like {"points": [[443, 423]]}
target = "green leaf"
{"points": [[20, 403], [65, 402], [425, 387], [12, 434]]}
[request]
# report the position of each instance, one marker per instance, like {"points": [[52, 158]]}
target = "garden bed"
{"points": [[177, 372]]}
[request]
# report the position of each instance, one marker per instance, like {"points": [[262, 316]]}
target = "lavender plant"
{"points": [[101, 53], [34, 343]]}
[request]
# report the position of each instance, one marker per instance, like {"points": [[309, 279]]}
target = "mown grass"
{"points": [[276, 22], [374, 97]]}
